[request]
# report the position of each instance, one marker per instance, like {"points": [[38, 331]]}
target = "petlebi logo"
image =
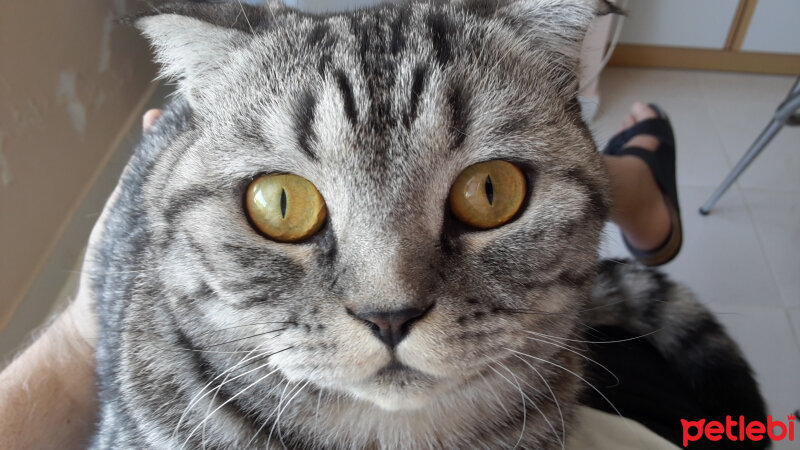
{"points": [[738, 430]]}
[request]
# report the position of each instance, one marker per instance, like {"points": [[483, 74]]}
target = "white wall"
{"points": [[775, 27], [679, 23]]}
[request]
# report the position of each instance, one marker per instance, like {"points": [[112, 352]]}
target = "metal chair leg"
{"points": [[785, 114], [759, 144]]}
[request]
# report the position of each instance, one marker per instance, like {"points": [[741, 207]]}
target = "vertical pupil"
{"points": [[489, 189], [283, 203]]}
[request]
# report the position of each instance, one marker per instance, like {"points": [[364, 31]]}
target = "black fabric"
{"points": [[649, 390]]}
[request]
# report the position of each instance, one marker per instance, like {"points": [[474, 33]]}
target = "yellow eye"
{"points": [[285, 207], [488, 194]]}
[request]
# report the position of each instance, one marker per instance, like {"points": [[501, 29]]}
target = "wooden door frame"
{"points": [[729, 58]]}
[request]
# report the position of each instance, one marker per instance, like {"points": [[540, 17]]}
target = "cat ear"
{"points": [[568, 17], [193, 41], [554, 31]]}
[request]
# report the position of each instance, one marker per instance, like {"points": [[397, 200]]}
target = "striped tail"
{"points": [[673, 359]]}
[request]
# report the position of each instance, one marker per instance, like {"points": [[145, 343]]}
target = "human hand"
{"points": [[51, 385]]}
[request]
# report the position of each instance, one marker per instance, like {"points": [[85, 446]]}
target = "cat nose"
{"points": [[391, 327]]}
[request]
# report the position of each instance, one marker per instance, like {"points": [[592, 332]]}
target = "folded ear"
{"points": [[192, 41], [554, 30]]}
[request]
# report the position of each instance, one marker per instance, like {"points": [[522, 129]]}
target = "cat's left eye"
{"points": [[285, 207], [488, 194]]}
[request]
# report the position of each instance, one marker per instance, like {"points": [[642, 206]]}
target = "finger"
{"points": [[149, 119]]}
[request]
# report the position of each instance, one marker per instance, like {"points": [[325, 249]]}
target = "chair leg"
{"points": [[766, 136], [785, 114]]}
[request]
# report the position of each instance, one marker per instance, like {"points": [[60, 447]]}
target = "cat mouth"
{"points": [[398, 374], [394, 367]]}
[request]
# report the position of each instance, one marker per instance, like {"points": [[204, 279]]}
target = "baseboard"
{"points": [[705, 59]]}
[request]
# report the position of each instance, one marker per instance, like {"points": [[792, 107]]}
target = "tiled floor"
{"points": [[743, 260]]}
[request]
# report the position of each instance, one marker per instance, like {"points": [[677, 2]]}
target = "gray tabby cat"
{"points": [[395, 325]]}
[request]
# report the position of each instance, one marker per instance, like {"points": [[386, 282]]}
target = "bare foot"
{"points": [[640, 209]]}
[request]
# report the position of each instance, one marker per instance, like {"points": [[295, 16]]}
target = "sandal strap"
{"points": [[661, 163], [659, 128]]}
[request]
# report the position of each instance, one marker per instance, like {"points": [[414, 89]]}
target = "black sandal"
{"points": [[662, 165]]}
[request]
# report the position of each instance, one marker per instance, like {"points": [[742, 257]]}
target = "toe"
{"points": [[628, 122], [641, 111]]}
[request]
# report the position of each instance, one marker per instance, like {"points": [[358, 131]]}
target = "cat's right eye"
{"points": [[285, 207]]}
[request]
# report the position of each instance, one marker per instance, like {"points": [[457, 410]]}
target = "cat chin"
{"points": [[402, 390], [394, 398]]}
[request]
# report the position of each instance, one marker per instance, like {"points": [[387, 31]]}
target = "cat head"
{"points": [[395, 298]]}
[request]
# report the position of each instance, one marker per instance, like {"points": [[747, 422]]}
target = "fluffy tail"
{"points": [[685, 362]]}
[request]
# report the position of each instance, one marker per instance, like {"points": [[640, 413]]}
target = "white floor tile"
{"points": [[794, 318], [702, 160], [776, 215], [739, 123], [701, 156], [665, 87], [620, 87], [725, 87], [768, 343], [721, 260]]}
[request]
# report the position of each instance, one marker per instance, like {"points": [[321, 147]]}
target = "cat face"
{"points": [[394, 300]]}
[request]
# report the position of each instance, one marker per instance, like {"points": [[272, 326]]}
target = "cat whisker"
{"points": [[275, 20], [584, 380], [182, 349], [572, 347], [500, 402], [121, 272], [225, 381], [241, 7], [202, 394], [152, 6], [534, 403], [203, 349], [585, 325], [555, 399], [280, 402], [551, 313], [581, 355], [570, 372], [243, 338], [232, 398], [524, 406], [316, 411], [278, 418], [242, 326], [596, 342], [530, 311], [603, 306], [205, 391]]}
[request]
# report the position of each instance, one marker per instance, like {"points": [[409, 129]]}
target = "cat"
{"points": [[399, 321]]}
